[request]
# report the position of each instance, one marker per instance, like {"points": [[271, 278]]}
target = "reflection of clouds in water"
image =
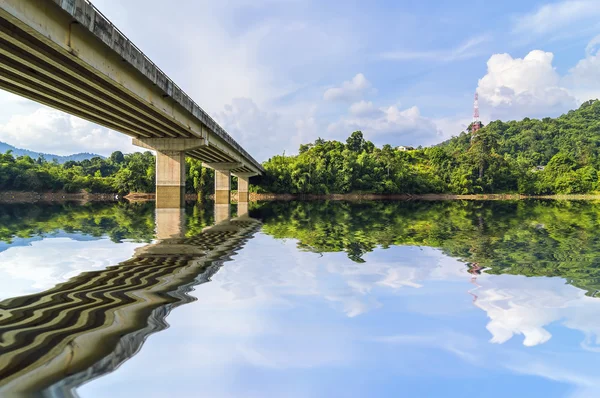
{"points": [[345, 284], [514, 304], [520, 305], [461, 345], [46, 263], [561, 364], [526, 306], [288, 322]]}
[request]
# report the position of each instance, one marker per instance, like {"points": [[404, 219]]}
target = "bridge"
{"points": [[67, 55]]}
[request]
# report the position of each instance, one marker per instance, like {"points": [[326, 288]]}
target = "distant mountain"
{"points": [[48, 156]]}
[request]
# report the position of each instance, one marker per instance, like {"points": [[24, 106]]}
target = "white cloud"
{"points": [[531, 86], [363, 108], [517, 305], [452, 126], [461, 345], [52, 131], [388, 125], [264, 134], [553, 17], [520, 87], [584, 78], [307, 128], [349, 90], [593, 46], [468, 49], [258, 131], [44, 264]]}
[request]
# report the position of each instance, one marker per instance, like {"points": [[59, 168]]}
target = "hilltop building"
{"points": [[405, 148]]}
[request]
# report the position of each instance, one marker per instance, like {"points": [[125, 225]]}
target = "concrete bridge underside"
{"points": [[67, 55]]}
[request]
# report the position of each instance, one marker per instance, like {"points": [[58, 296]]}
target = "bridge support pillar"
{"points": [[170, 179], [243, 189], [243, 185], [222, 212], [242, 209], [222, 186], [170, 223], [170, 168]]}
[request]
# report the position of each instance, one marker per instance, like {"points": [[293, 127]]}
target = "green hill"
{"points": [[552, 155], [576, 134]]}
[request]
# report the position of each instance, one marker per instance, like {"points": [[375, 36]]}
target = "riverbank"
{"points": [[32, 197], [260, 197], [269, 197]]}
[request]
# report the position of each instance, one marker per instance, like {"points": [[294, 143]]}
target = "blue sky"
{"points": [[277, 73]]}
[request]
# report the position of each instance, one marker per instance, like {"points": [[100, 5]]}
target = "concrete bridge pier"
{"points": [[170, 167], [170, 223], [243, 184], [222, 180], [222, 186], [242, 209], [222, 212]]}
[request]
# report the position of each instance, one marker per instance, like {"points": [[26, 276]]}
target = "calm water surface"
{"points": [[374, 299]]}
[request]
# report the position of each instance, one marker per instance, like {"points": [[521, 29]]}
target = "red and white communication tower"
{"points": [[476, 122]]}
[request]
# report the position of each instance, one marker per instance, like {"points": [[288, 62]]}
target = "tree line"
{"points": [[548, 156], [118, 173]]}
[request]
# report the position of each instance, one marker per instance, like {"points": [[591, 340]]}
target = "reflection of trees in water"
{"points": [[118, 221], [532, 238], [92, 323]]}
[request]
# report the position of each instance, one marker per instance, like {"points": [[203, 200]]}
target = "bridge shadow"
{"points": [[54, 341]]}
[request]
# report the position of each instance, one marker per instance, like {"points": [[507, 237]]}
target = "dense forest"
{"points": [[549, 156], [117, 174]]}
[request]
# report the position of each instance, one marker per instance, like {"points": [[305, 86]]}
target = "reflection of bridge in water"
{"points": [[58, 339]]}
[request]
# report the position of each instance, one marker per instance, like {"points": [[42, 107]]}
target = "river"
{"points": [[301, 299]]}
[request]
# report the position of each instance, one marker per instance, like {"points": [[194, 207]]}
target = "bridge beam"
{"points": [[170, 168]]}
